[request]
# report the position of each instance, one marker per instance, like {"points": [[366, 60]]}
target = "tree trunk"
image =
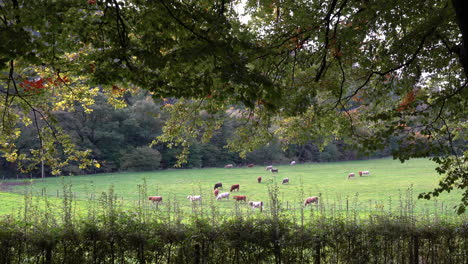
{"points": [[461, 10]]}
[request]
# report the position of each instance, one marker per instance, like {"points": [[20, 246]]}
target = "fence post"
{"points": [[317, 252], [416, 249], [197, 254]]}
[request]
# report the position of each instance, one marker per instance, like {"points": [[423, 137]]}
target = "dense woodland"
{"points": [[120, 141]]}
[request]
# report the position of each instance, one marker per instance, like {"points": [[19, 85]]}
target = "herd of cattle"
{"points": [[253, 204]]}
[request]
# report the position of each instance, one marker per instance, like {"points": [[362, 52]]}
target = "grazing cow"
{"points": [[216, 191], [229, 166], [259, 179], [364, 173], [234, 187], [256, 205], [292, 163], [285, 180], [250, 165], [155, 199], [218, 185], [313, 199], [193, 198], [240, 198], [269, 167], [222, 195], [351, 175], [273, 170]]}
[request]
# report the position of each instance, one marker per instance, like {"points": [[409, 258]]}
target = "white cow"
{"points": [[365, 173], [351, 175], [292, 163], [193, 198], [256, 205], [223, 195], [269, 167]]}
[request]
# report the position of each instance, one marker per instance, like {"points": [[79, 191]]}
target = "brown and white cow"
{"points": [[313, 199], [256, 205], [235, 187], [215, 192], [218, 185], [194, 198], [364, 173], [274, 170], [240, 198], [285, 180], [155, 199], [351, 175], [269, 167], [228, 166], [222, 195], [259, 179]]}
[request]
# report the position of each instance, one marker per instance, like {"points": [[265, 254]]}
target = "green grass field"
{"points": [[385, 189]]}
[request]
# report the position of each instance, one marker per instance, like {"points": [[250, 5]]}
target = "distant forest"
{"points": [[120, 138]]}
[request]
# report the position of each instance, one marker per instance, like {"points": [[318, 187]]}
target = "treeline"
{"points": [[120, 138]]}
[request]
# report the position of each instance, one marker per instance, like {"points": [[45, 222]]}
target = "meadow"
{"points": [[392, 187]]}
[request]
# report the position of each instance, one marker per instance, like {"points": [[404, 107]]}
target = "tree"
{"points": [[141, 159], [298, 70]]}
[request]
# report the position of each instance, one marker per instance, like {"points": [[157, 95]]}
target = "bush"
{"points": [[141, 159]]}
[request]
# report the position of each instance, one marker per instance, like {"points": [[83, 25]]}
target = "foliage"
{"points": [[298, 70], [140, 159]]}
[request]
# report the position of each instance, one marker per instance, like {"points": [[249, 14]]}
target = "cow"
{"points": [[222, 195], [273, 170], [292, 163], [313, 199], [193, 198], [256, 205], [240, 198], [351, 175], [229, 166], [285, 180], [269, 167], [250, 165], [234, 187], [216, 191], [155, 199], [364, 173], [218, 185], [259, 179]]}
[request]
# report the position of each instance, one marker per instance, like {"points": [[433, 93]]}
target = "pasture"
{"points": [[391, 187]]}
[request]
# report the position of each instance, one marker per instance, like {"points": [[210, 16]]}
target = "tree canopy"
{"points": [[367, 71]]}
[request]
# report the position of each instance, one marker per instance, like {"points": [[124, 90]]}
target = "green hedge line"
{"points": [[128, 238]]}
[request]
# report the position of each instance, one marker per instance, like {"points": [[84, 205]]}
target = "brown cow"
{"points": [[155, 199], [274, 170], [240, 198], [313, 199], [218, 185], [229, 166], [259, 179], [250, 165], [216, 191], [234, 187]]}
